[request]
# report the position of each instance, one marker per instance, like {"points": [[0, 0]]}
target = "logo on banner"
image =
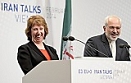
{"points": [[52, 12], [21, 11], [102, 73]]}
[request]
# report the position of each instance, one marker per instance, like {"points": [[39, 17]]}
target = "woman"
{"points": [[32, 53]]}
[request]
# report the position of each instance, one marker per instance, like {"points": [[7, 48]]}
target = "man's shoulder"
{"points": [[121, 41], [96, 37]]}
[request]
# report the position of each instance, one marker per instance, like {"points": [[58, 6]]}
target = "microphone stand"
{"points": [[80, 41], [91, 47]]}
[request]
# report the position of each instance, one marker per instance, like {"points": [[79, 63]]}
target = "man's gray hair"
{"points": [[107, 19]]}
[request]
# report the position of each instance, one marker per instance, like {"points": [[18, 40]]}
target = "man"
{"points": [[106, 41]]}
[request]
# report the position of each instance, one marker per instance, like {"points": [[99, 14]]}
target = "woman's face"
{"points": [[37, 33]]}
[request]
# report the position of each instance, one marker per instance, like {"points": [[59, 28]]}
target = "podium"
{"points": [[84, 70]]}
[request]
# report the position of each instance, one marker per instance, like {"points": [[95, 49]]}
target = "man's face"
{"points": [[113, 29]]}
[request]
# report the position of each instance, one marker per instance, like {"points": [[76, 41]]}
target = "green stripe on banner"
{"points": [[66, 24]]}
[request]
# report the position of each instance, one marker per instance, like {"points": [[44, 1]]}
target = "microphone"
{"points": [[124, 46], [65, 38], [71, 38]]}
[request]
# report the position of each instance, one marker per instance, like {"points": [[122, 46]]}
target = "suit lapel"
{"points": [[106, 45], [118, 50], [34, 47], [49, 51]]}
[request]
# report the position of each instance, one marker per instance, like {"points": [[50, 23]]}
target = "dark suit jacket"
{"points": [[100, 42], [29, 56]]}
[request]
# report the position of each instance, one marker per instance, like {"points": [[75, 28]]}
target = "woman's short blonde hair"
{"points": [[35, 20]]}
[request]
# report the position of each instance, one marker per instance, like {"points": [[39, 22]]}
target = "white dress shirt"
{"points": [[113, 49]]}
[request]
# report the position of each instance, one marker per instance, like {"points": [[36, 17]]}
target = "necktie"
{"points": [[113, 49]]}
